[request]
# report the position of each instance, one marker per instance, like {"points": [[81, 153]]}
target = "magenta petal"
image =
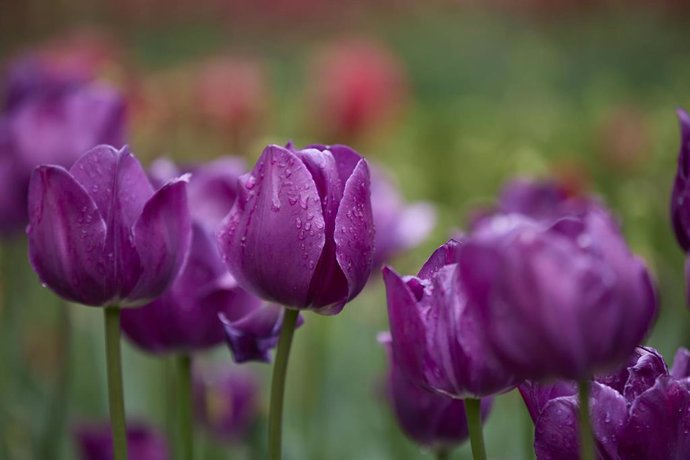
{"points": [[161, 237], [265, 240], [354, 231], [66, 237]]}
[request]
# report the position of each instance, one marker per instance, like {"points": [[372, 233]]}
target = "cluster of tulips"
{"points": [[541, 294]]}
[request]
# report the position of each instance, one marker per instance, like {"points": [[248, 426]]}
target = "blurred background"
{"points": [[452, 98]]}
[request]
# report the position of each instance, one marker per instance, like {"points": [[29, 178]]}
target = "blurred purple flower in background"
{"points": [[95, 442], [399, 226], [430, 419], [301, 233], [99, 234], [71, 113], [437, 343], [541, 200], [226, 401], [680, 196], [565, 300], [205, 305], [639, 412]]}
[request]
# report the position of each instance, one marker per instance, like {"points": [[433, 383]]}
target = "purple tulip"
{"points": [[100, 235], [70, 123], [226, 402], [95, 442], [32, 75], [540, 200], [399, 226], [680, 196], [640, 412], [437, 343], [205, 305], [565, 300], [301, 231], [430, 419], [212, 189]]}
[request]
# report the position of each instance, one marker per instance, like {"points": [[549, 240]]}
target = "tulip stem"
{"points": [[275, 415], [116, 397], [184, 389], [442, 454], [586, 436], [474, 424]]}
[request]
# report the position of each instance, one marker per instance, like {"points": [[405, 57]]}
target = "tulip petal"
{"points": [[680, 195], [556, 435], [408, 330], [263, 239], [66, 236], [354, 231], [537, 395], [659, 424], [126, 188], [329, 287], [251, 336], [681, 364], [346, 158], [448, 253], [162, 237]]}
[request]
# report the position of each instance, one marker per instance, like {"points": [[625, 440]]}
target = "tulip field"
{"points": [[379, 231]]}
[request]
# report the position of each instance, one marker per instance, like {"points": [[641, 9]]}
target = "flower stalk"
{"points": [[586, 434], [184, 395], [474, 424], [116, 398], [275, 416]]}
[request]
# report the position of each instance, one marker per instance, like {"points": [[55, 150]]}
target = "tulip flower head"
{"points": [[639, 412], [399, 225], [680, 196], [226, 402], [430, 419], [99, 234], [301, 232], [95, 442], [437, 343], [561, 300]]}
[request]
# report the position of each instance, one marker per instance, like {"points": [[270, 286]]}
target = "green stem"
{"points": [[587, 451], [474, 425], [185, 425], [275, 415], [57, 410], [442, 454], [116, 397]]}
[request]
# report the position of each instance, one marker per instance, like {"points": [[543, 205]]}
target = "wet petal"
{"points": [[659, 423], [354, 231], [66, 237], [264, 239], [162, 238], [448, 253], [537, 395], [408, 330]]}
